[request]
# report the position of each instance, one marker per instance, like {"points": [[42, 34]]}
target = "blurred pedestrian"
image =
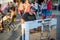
{"points": [[12, 17], [1, 12], [4, 7], [49, 7], [10, 4], [27, 6], [38, 9], [13, 13], [21, 7], [44, 8], [36, 6]]}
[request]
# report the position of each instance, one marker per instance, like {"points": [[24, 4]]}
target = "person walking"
{"points": [[49, 7], [21, 8], [27, 6], [44, 9]]}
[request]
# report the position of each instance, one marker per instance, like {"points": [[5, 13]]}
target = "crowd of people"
{"points": [[28, 11]]}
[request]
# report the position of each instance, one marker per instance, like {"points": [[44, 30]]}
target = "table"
{"points": [[36, 23]]}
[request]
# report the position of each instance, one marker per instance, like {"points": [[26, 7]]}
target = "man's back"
{"points": [[28, 17]]}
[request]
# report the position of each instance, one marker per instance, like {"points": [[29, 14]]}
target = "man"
{"points": [[28, 17], [13, 13], [36, 6], [49, 7], [12, 16], [27, 6], [21, 7], [44, 8]]}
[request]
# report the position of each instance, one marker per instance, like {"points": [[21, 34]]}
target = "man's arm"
{"points": [[23, 18], [22, 21]]}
